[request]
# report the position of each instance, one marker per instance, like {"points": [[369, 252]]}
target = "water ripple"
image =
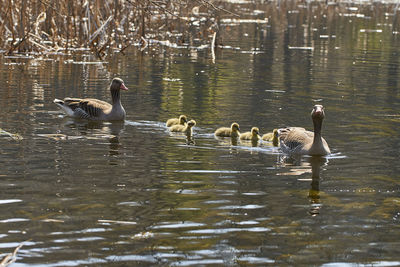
{"points": [[185, 224]]}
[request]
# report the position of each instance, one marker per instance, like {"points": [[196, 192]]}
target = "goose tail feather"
{"points": [[64, 107]]}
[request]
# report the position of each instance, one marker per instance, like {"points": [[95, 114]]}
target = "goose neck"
{"points": [[317, 128], [115, 97]]}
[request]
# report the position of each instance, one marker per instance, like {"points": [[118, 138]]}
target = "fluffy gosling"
{"points": [[253, 135], [272, 137], [228, 132], [177, 121], [187, 128]]}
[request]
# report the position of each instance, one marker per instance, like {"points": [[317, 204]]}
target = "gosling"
{"points": [[253, 135], [177, 121], [187, 128], [272, 137], [228, 132]]}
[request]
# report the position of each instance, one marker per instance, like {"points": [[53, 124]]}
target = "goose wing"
{"points": [[87, 107], [295, 138]]}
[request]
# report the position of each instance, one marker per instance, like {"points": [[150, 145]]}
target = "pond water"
{"points": [[125, 194]]}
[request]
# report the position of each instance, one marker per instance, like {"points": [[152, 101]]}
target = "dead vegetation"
{"points": [[51, 26]]}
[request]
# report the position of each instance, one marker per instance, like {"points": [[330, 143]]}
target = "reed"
{"points": [[51, 26]]}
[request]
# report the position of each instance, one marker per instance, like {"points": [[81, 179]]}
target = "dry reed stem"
{"points": [[41, 26], [10, 257], [49, 25]]}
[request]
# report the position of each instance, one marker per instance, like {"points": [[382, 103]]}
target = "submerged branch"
{"points": [[10, 257]]}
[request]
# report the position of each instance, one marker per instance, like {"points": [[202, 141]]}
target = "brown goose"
{"points": [[187, 128], [297, 140], [272, 137], [253, 135], [174, 121], [94, 109], [228, 132]]}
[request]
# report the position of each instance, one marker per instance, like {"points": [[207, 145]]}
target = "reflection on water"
{"points": [[133, 193], [299, 165]]}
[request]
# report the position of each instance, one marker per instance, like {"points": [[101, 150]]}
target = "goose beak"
{"points": [[318, 110], [123, 87]]}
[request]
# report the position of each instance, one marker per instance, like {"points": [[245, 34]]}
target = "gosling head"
{"points": [[191, 123], [235, 127], [182, 119], [255, 131]]}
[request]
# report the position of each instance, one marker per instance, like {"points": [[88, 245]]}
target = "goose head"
{"points": [[182, 119], [118, 84], [318, 112], [255, 131], [235, 127]]}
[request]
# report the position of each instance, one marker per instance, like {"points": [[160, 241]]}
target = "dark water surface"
{"points": [[133, 194]]}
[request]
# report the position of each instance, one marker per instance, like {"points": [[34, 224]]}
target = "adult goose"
{"points": [[94, 109], [296, 140], [228, 132]]}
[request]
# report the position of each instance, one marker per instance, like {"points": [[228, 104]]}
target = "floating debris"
{"points": [[15, 137], [85, 62], [56, 137], [352, 15], [275, 91], [11, 257], [370, 30], [52, 220], [238, 21], [143, 235], [296, 172], [171, 79], [301, 47], [119, 222]]}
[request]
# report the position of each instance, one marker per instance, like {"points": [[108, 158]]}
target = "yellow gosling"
{"points": [[228, 132], [272, 137], [174, 121], [253, 135], [187, 128]]}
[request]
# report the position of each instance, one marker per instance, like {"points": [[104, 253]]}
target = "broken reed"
{"points": [[52, 25]]}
